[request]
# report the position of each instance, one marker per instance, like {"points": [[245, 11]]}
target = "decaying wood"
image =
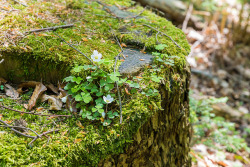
{"points": [[164, 139], [172, 10]]}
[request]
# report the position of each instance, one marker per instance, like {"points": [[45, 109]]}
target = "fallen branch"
{"points": [[51, 28], [116, 58], [188, 15], [165, 35], [22, 112]]}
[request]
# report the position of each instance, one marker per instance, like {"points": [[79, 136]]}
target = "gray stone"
{"points": [[134, 61]]}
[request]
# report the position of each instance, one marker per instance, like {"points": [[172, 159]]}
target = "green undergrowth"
{"points": [[209, 129], [87, 143]]}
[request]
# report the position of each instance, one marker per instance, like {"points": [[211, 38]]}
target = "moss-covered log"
{"points": [[155, 129]]}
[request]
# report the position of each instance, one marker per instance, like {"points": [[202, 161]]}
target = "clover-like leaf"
{"points": [[160, 46]]}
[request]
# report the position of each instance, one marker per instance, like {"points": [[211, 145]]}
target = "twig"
{"points": [[165, 35], [43, 134], [1, 61], [7, 125], [33, 137], [129, 17], [51, 28], [75, 48], [188, 15], [22, 112], [20, 3], [117, 87]]}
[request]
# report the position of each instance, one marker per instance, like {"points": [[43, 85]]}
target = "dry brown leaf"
{"points": [[40, 88], [79, 124], [52, 88], [11, 92], [123, 45], [55, 104], [77, 140], [23, 87], [127, 92], [221, 163], [85, 39]]}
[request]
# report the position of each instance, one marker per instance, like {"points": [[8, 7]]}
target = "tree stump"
{"points": [[155, 130]]}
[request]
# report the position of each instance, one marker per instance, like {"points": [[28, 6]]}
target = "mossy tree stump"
{"points": [[155, 130]]}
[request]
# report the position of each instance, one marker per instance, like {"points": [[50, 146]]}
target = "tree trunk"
{"points": [[164, 139]]}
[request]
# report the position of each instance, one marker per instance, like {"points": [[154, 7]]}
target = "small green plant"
{"points": [[95, 92], [213, 129]]}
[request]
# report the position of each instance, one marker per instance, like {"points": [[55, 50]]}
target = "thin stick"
{"points": [[22, 112], [33, 137], [188, 15], [20, 3], [51, 28], [7, 125], [43, 134], [116, 58], [165, 35], [74, 48]]}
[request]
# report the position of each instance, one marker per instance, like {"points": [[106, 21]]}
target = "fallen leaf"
{"points": [[221, 163], [11, 92], [122, 60], [39, 109], [123, 45], [79, 124], [77, 140], [85, 39], [40, 88], [55, 104], [139, 77], [127, 92], [29, 84], [52, 88]]}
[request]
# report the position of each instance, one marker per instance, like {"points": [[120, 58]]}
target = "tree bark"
{"points": [[164, 139]]}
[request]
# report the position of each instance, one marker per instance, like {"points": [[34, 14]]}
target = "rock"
{"points": [[134, 61]]}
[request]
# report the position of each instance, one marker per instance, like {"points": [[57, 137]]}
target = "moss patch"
{"points": [[74, 145]]}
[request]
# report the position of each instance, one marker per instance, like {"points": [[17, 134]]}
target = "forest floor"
{"points": [[220, 66]]}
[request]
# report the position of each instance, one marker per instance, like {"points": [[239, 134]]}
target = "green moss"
{"points": [[90, 32]]}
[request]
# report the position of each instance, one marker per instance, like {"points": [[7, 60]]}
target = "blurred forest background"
{"points": [[219, 34]]}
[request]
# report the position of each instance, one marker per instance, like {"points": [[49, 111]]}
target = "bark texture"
{"points": [[164, 139]]}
